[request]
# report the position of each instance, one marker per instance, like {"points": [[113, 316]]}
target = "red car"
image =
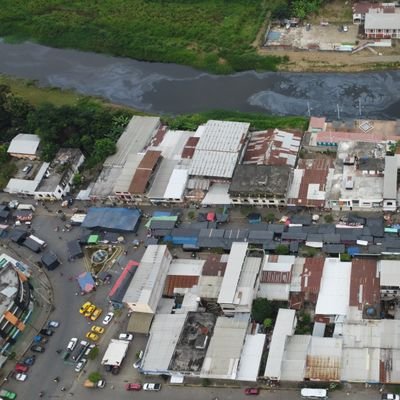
{"points": [[133, 386], [253, 391], [21, 368]]}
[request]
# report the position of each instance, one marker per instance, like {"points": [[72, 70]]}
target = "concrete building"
{"points": [[146, 287], [380, 25], [262, 185], [361, 9], [15, 302], [52, 180], [240, 282], [24, 145], [357, 181], [390, 183], [389, 275]]}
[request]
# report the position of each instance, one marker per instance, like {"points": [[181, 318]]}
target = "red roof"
{"points": [[364, 283], [315, 172], [129, 267], [179, 282], [311, 277], [211, 216], [190, 147], [213, 266], [316, 123], [337, 137]]}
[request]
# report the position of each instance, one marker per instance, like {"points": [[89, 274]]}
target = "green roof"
{"points": [[93, 239], [162, 218]]}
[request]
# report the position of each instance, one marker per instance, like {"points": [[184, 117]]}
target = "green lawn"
{"points": [[215, 35]]}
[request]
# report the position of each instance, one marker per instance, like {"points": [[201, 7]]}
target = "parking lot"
{"points": [[317, 37]]}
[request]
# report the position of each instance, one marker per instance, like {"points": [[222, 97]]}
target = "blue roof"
{"points": [[86, 282], [112, 219]]}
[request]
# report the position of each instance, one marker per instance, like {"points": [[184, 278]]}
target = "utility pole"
{"points": [[338, 111], [359, 106], [308, 109]]}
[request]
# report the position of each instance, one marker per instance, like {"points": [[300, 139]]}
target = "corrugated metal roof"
{"points": [[232, 273], [390, 176], [223, 354], [251, 357], [382, 21], [389, 272], [176, 184], [294, 358], [24, 143]]}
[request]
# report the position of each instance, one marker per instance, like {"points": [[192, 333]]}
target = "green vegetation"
{"points": [[345, 257], [270, 217], [328, 218], [304, 324], [257, 121], [209, 34], [94, 376], [282, 250], [92, 356], [264, 309]]}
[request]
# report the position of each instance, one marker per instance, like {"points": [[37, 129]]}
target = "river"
{"points": [[175, 89]]}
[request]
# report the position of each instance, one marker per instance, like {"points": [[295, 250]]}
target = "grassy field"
{"points": [[214, 35]]}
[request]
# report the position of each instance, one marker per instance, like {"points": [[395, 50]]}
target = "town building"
{"points": [[52, 181], [381, 25], [15, 306], [362, 8], [25, 146]]}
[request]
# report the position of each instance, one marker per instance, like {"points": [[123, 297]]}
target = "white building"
{"points": [[240, 282], [24, 145], [146, 287], [389, 273]]}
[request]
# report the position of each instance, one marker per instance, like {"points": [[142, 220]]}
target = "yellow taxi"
{"points": [[97, 329], [89, 311], [92, 336], [84, 307], [96, 314]]}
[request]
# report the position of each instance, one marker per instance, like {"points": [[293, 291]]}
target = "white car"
{"points": [[154, 387], [21, 377], [89, 349], [80, 365], [125, 336], [53, 324], [72, 344], [107, 319]]}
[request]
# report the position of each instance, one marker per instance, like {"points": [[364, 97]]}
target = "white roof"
{"points": [[251, 358], [24, 143], [209, 286], [218, 148], [162, 179], [360, 365], [172, 144], [274, 291], [223, 353], [176, 184], [382, 21], [284, 264], [295, 357], [284, 327], [186, 267], [389, 272], [133, 140], [127, 172], [333, 298], [147, 276], [390, 177], [233, 270], [217, 195], [164, 335], [115, 352]]}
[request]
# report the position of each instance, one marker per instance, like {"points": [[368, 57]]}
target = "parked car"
{"points": [[21, 377], [107, 319], [390, 396], [37, 348], [84, 307], [53, 324], [72, 344], [27, 168], [345, 28], [21, 368], [89, 311], [252, 391], [30, 360], [47, 332], [97, 329], [133, 386], [89, 349], [79, 366], [96, 314], [125, 336], [155, 387], [92, 336]]}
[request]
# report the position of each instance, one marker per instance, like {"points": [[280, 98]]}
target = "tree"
{"points": [[263, 309], [282, 249], [77, 179], [267, 323], [93, 354], [103, 148], [94, 377]]}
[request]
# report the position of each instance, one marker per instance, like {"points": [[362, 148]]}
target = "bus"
{"points": [[314, 394], [41, 242]]}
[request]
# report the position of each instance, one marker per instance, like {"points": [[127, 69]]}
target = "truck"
{"points": [[39, 241], [115, 354], [90, 385], [30, 207]]}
